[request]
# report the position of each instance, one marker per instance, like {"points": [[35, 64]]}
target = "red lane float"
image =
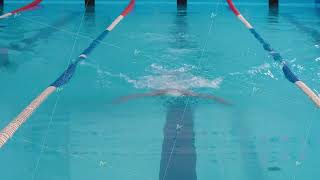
{"points": [[128, 9], [289, 75], [24, 8], [233, 8]]}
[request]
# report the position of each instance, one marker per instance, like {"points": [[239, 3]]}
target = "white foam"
{"points": [[158, 69], [269, 73], [258, 69], [235, 73], [156, 37], [180, 51], [262, 69], [179, 78]]}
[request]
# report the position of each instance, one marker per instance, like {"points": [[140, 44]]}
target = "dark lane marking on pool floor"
{"points": [[4, 57], [313, 33], [178, 163], [43, 33]]}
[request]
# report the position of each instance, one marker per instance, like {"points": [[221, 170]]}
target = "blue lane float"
{"points": [[63, 79], [289, 75]]}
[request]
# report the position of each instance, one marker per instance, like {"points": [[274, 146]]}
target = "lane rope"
{"points": [[44, 139], [24, 8], [289, 75], [64, 78]]}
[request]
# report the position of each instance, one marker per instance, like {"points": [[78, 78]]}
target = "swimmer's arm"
{"points": [[135, 96]]}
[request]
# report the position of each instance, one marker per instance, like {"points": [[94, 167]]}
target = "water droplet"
{"points": [[136, 52], [102, 163], [298, 163], [213, 15]]}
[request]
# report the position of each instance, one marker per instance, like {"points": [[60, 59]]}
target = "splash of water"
{"points": [[179, 78], [262, 69]]}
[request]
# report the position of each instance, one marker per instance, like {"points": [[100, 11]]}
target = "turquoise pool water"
{"points": [[270, 131]]}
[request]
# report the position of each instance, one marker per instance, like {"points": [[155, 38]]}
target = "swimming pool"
{"points": [[269, 132]]}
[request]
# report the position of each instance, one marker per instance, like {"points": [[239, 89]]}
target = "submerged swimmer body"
{"points": [[173, 93]]}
